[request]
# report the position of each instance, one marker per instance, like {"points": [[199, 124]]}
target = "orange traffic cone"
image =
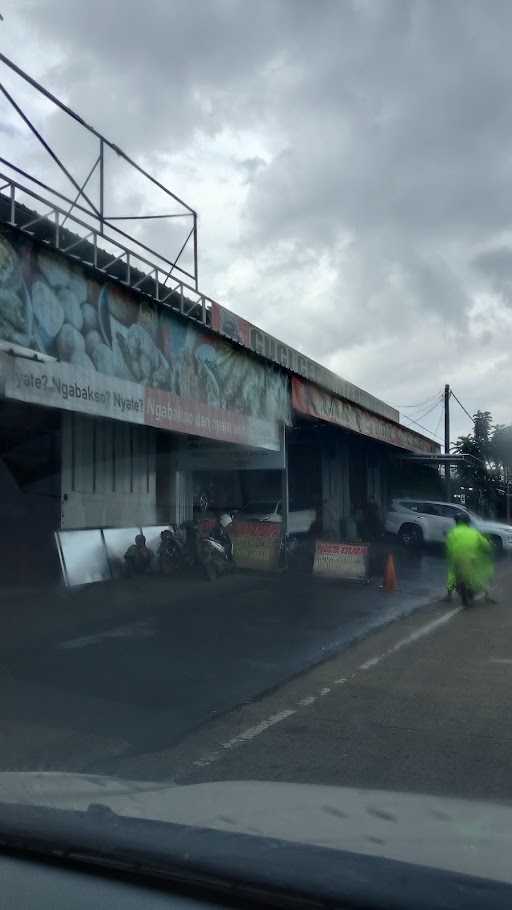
{"points": [[390, 575]]}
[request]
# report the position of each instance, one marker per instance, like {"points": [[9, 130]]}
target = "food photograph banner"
{"points": [[106, 343], [250, 336]]}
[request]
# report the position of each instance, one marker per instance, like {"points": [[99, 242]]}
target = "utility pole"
{"points": [[284, 491], [447, 471]]}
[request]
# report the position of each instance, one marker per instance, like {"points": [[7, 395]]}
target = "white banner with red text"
{"points": [[341, 560], [256, 545]]}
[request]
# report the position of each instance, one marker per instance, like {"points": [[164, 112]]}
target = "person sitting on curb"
{"points": [[138, 556]]}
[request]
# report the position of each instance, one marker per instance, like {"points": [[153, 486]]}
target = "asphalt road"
{"points": [[112, 676], [422, 705]]}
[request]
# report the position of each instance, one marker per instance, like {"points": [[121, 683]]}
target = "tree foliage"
{"points": [[482, 475]]}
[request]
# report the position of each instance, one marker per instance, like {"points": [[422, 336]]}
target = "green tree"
{"points": [[502, 446], [478, 474], [502, 455]]}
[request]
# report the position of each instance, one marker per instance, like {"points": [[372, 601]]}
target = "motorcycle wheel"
{"points": [[466, 595], [169, 563]]}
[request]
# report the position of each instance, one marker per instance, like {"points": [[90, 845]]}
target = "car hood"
{"points": [[456, 835]]}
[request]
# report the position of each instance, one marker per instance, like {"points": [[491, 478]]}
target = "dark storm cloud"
{"points": [[387, 127]]}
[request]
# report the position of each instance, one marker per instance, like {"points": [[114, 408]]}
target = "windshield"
{"points": [[255, 322]]}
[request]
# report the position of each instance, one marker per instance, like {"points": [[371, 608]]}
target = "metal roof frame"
{"points": [[96, 240], [103, 225]]}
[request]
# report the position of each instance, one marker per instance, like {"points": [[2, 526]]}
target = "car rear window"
{"points": [[428, 508], [260, 507], [411, 505], [451, 511]]}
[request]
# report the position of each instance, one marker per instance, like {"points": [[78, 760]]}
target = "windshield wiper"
{"points": [[244, 867]]}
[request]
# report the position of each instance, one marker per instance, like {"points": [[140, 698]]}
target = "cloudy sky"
{"points": [[350, 160]]}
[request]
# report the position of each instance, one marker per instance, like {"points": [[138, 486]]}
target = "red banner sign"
{"points": [[172, 412], [309, 399]]}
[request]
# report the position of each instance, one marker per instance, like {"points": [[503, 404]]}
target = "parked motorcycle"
{"points": [[169, 552], [186, 548], [217, 547]]}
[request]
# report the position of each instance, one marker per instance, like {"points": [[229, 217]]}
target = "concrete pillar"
{"points": [[335, 485], [183, 496]]}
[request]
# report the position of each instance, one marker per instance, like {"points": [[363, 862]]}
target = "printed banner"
{"points": [[171, 412], [309, 399], [256, 545], [250, 336], [61, 385], [101, 338], [341, 560]]}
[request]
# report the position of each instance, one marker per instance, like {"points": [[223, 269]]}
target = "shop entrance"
{"points": [[358, 477], [30, 467], [226, 477], [305, 469]]}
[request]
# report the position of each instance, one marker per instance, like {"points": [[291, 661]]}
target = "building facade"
{"points": [[116, 410]]}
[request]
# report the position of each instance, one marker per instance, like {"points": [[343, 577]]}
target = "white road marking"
{"points": [[500, 660], [414, 636], [244, 737], [259, 728], [252, 732]]}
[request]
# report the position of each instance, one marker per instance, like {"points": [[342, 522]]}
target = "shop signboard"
{"points": [[256, 544], [62, 385], [250, 336], [309, 399], [107, 353], [168, 411], [341, 560]]}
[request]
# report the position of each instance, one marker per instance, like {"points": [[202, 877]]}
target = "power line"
{"points": [[462, 406], [420, 417], [439, 421], [419, 404], [405, 417], [436, 404]]}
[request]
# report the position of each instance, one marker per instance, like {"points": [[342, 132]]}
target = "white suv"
{"points": [[417, 521]]}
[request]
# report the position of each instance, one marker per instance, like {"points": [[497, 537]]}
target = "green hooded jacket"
{"points": [[469, 556]]}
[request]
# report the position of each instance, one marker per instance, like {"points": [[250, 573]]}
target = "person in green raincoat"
{"points": [[470, 563]]}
